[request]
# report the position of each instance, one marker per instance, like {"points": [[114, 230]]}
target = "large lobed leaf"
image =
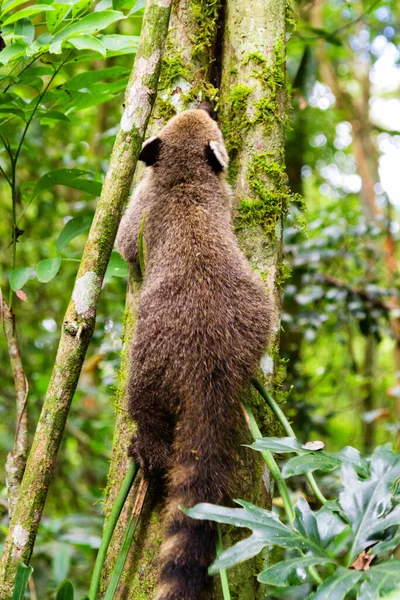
{"points": [[268, 530], [368, 504]]}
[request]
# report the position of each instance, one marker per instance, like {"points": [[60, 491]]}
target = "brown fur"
{"points": [[203, 322]]}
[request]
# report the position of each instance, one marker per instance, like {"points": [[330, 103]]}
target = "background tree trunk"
{"points": [[254, 40]]}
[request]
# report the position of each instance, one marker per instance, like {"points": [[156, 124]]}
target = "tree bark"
{"points": [[79, 320], [16, 460], [184, 82]]}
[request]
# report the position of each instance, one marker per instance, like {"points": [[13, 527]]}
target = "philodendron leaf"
{"points": [[267, 528], [380, 580], [65, 591], [291, 572], [306, 463], [21, 579], [282, 445], [19, 277], [386, 546], [367, 504], [72, 229], [47, 269], [338, 585], [330, 525], [305, 521]]}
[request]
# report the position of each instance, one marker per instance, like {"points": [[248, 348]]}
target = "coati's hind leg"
{"points": [[152, 407]]}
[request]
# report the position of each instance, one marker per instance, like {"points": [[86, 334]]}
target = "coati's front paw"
{"points": [[152, 455]]}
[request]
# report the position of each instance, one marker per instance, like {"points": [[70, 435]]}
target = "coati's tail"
{"points": [[204, 453]]}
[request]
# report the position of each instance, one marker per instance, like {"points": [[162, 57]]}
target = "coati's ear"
{"points": [[217, 156], [150, 151]]}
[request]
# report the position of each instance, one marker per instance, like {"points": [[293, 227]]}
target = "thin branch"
{"points": [[16, 460]]}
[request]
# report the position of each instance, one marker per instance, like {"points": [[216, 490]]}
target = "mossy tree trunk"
{"points": [[80, 317], [253, 110]]}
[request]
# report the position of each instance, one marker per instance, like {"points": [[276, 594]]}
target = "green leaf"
{"points": [[88, 78], [386, 546], [368, 504], [21, 579], [19, 277], [65, 591], [380, 580], [285, 573], [267, 528], [308, 463], [88, 42], [27, 12], [80, 7], [47, 269], [328, 36], [24, 30], [72, 229], [12, 51], [61, 561], [337, 586], [307, 73], [17, 112], [305, 521], [52, 115], [119, 43], [279, 445], [89, 24], [71, 178], [54, 18], [330, 525], [117, 267]]}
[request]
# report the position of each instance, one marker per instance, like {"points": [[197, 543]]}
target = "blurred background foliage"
{"points": [[341, 287]]}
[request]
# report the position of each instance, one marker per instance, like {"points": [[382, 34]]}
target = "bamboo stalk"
{"points": [[79, 320]]}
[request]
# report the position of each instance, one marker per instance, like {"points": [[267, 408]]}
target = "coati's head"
{"points": [[190, 145]]}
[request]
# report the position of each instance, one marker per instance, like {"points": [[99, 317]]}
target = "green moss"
{"points": [[172, 68], [290, 18], [205, 14], [236, 123], [284, 273], [271, 195], [201, 90]]}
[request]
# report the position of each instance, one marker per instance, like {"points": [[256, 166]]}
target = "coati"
{"points": [[203, 322]]}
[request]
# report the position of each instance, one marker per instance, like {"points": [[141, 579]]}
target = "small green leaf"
{"points": [[70, 177], [338, 585], [24, 30], [80, 7], [307, 73], [142, 251], [53, 115], [89, 24], [27, 12], [47, 269], [285, 573], [54, 18], [23, 574], [279, 445], [88, 78], [12, 51], [88, 42], [65, 591], [118, 43], [305, 521], [72, 229], [19, 277], [117, 267]]}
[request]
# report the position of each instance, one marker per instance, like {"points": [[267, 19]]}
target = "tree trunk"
{"points": [[256, 36]]}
